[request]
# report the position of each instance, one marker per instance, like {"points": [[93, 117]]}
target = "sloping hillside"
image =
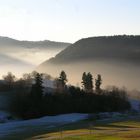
{"points": [[22, 56], [117, 58], [6, 41], [126, 48], [31, 51]]}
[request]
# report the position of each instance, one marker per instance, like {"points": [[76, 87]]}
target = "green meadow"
{"points": [[91, 130]]}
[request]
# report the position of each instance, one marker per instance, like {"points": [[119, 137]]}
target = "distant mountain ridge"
{"points": [[22, 56], [45, 43]]}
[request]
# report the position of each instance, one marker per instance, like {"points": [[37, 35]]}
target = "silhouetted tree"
{"points": [[9, 79], [98, 83], [87, 81], [63, 79], [37, 88], [84, 80]]}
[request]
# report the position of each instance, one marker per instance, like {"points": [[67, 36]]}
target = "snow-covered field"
{"points": [[46, 122]]}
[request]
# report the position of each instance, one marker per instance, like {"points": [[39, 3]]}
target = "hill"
{"points": [[125, 48], [25, 55], [6, 41], [117, 58]]}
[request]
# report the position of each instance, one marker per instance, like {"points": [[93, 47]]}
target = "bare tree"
{"points": [[9, 79]]}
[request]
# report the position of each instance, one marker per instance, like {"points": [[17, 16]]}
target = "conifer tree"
{"points": [[98, 83], [87, 81], [63, 78], [37, 88]]}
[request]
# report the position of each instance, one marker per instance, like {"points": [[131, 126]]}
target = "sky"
{"points": [[68, 20]]}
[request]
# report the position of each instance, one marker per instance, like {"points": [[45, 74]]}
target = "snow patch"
{"points": [[48, 121], [135, 104]]}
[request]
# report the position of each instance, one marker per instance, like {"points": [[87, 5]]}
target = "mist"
{"points": [[21, 57], [34, 56], [119, 74], [23, 61]]}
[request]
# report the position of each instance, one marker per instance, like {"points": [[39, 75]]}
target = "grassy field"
{"points": [[124, 128], [90, 130]]}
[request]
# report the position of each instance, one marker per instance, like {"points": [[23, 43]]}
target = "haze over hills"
{"points": [[5, 41], [117, 58], [22, 56]]}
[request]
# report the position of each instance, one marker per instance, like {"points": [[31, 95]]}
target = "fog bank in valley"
{"points": [[113, 73]]}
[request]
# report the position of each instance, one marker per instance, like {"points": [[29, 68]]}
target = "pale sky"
{"points": [[68, 20]]}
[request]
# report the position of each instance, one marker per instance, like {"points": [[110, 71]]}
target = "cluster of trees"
{"points": [[35, 103], [87, 81], [11, 83]]}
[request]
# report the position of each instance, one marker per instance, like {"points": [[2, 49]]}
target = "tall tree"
{"points": [[98, 83], [87, 81], [63, 78], [84, 80], [37, 88]]}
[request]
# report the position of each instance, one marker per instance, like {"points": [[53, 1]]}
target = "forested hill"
{"points": [[6, 41], [117, 58], [125, 48], [22, 56]]}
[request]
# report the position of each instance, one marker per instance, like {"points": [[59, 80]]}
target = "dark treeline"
{"points": [[53, 104], [37, 102]]}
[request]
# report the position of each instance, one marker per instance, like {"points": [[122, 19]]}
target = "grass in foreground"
{"points": [[87, 130]]}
